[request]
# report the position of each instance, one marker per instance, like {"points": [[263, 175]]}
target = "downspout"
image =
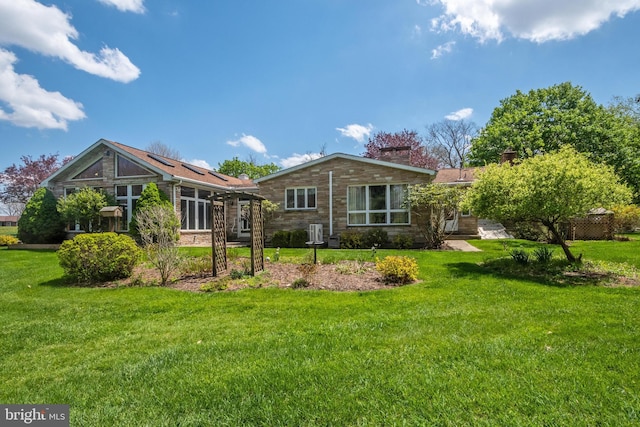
{"points": [[330, 203]]}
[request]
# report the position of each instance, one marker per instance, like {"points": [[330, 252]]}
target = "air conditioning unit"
{"points": [[315, 233]]}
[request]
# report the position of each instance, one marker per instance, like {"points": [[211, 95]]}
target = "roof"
{"points": [[456, 175], [9, 218], [170, 169], [365, 160]]}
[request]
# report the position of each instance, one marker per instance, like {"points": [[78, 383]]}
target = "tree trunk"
{"points": [[556, 234]]}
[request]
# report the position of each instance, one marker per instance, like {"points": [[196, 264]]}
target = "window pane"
{"points": [[192, 214], [207, 208], [357, 198], [188, 192], [121, 190], [311, 198], [183, 214], [203, 194], [70, 191], [136, 190], [378, 218], [291, 201], [93, 171], [201, 216], [127, 168], [357, 218], [300, 198], [397, 196], [399, 217], [377, 197]]}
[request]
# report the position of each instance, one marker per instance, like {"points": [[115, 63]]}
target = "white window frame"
{"points": [[388, 210], [306, 206], [128, 202], [200, 224]]}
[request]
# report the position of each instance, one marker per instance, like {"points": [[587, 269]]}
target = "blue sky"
{"points": [[278, 81]]}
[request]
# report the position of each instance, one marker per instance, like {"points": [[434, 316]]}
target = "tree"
{"points": [[150, 196], [162, 149], [449, 141], [544, 120], [40, 222], [419, 154], [236, 167], [158, 227], [431, 204], [549, 189], [83, 207], [20, 182]]}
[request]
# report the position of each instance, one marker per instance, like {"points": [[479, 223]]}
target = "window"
{"points": [[92, 172], [300, 198], [125, 167], [127, 196], [377, 204], [195, 209]]}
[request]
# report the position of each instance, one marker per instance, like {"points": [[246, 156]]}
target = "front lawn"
{"points": [[465, 346]]}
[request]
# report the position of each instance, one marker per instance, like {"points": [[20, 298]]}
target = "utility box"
{"points": [[315, 233]]}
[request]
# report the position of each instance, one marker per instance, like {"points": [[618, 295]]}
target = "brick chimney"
{"points": [[400, 155], [508, 155]]}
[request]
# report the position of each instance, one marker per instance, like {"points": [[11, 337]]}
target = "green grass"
{"points": [[466, 346]]}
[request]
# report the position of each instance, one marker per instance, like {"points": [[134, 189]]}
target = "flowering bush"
{"points": [[8, 240], [398, 269]]}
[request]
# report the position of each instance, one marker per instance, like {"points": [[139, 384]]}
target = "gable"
{"points": [[92, 172]]}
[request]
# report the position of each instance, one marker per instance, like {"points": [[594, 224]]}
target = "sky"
{"points": [[281, 81]]}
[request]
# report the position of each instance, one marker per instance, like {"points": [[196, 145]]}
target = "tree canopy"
{"points": [[549, 189], [236, 167], [544, 120], [40, 222], [83, 207], [420, 155], [450, 140]]}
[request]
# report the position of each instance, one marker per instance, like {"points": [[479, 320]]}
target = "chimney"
{"points": [[400, 155], [508, 155]]}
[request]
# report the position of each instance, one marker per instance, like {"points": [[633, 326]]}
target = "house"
{"points": [[124, 171], [8, 221], [343, 192], [461, 224]]}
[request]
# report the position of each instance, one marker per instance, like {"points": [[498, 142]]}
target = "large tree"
{"points": [[251, 168], [420, 155], [550, 189], [543, 120], [20, 182], [449, 141], [162, 149]]}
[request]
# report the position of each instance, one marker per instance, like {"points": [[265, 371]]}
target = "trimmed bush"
{"points": [[375, 237], [402, 241], [40, 222], [398, 269], [280, 239], [99, 257], [299, 239], [351, 240]]}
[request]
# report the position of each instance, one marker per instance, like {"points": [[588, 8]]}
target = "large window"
{"points": [[377, 205], [300, 198], [127, 196], [195, 209], [125, 167], [92, 172]]}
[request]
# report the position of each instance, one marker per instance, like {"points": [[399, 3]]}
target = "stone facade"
{"points": [[331, 179]]}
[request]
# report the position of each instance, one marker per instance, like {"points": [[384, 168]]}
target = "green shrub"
{"points": [[300, 283], [543, 254], [150, 196], [40, 222], [398, 269], [83, 207], [375, 237], [520, 256], [626, 218], [99, 257], [351, 240], [402, 241], [218, 285], [8, 240], [299, 239], [280, 239]]}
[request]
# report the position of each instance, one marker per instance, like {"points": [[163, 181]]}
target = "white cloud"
{"points": [[48, 31], [357, 132], [442, 49], [31, 105], [460, 114], [136, 6], [250, 142], [297, 159], [535, 20], [201, 163]]}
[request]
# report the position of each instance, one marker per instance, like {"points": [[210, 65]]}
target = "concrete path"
{"points": [[461, 245]]}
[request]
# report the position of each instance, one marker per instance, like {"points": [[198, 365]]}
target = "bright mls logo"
{"points": [[34, 415]]}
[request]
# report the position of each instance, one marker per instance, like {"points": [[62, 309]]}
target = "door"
{"points": [[243, 223], [451, 221]]}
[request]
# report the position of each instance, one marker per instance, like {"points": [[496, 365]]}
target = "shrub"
{"points": [[99, 257], [300, 283], [520, 256], [626, 218], [158, 231], [308, 270], [40, 222], [280, 239], [150, 196], [199, 266], [402, 241], [83, 207], [8, 240], [398, 269], [543, 254], [351, 240], [299, 239], [375, 237]]}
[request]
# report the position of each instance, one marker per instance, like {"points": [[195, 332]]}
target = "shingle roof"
{"points": [[456, 175]]}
